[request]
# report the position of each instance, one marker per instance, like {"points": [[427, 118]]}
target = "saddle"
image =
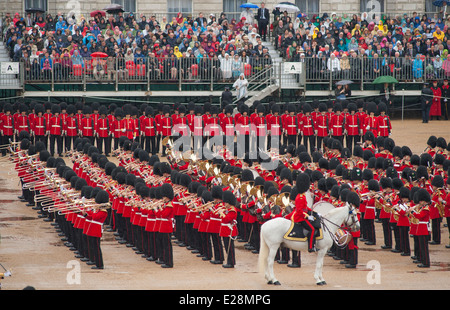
{"points": [[297, 232]]}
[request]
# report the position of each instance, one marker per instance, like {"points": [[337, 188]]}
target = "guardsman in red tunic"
{"points": [[55, 129], [403, 221], [102, 129], [213, 125], [371, 120], [149, 131], [87, 124], [227, 125], [243, 128], [438, 194], [337, 123], [190, 118], [95, 116], [165, 216], [38, 126], [158, 118], [290, 125], [166, 127], [206, 115], [7, 127], [116, 127], [111, 120], [283, 118], [422, 214], [274, 127], [362, 115], [79, 115], [384, 126], [21, 122], [63, 116], [197, 129], [260, 128], [321, 125], [307, 128], [70, 127], [181, 127], [228, 228], [352, 127], [127, 124]]}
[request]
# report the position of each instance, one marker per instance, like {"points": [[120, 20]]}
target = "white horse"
{"points": [[273, 231]]}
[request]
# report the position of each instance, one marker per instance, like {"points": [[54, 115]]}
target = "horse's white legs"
{"points": [[270, 275], [319, 266]]}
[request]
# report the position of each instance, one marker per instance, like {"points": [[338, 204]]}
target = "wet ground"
{"points": [[37, 257]]}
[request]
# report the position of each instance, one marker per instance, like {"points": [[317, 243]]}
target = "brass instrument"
{"points": [[440, 205]]}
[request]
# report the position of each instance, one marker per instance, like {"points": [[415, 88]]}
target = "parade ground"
{"points": [[36, 256]]}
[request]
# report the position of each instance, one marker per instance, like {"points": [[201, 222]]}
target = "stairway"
{"points": [[288, 81], [7, 81]]}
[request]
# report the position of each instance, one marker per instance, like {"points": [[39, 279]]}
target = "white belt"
{"points": [[322, 126], [167, 126], [7, 126], [383, 126], [307, 126], [370, 207], [423, 223], [56, 126], [87, 127], [352, 125], [103, 128], [292, 125], [215, 219], [164, 220], [39, 126], [95, 222]]}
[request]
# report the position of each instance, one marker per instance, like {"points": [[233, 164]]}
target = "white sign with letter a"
{"points": [[9, 68], [293, 67]]}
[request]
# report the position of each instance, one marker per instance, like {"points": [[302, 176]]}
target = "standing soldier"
{"points": [[70, 127], [7, 127], [337, 123], [181, 126], [228, 229], [422, 199], [95, 116], [38, 125], [63, 116], [435, 109], [165, 216], [321, 126], [102, 129], [227, 125], [371, 120], [197, 129], [352, 127], [243, 128], [166, 127], [55, 130], [127, 124], [274, 127], [260, 128], [290, 125], [87, 124], [307, 128], [158, 119], [116, 127], [21, 123], [149, 131], [384, 126]]}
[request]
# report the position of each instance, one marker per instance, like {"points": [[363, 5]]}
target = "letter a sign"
{"points": [[293, 67], [9, 68]]}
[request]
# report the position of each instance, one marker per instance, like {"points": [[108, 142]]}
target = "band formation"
{"points": [[153, 196]]}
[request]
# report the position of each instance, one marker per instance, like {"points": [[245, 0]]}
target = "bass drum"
{"points": [[323, 207]]}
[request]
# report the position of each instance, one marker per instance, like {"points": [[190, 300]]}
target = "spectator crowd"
{"points": [[134, 45]]}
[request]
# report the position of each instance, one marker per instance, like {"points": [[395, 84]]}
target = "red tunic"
{"points": [[435, 109], [352, 124], [337, 125]]}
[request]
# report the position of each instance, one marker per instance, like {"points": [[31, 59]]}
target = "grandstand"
{"points": [[155, 56]]}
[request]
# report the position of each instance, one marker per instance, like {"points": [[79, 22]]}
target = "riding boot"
{"points": [[351, 259], [296, 261]]}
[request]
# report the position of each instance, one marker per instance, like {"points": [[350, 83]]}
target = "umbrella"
{"points": [[114, 8], [96, 12], [287, 6], [302, 15], [35, 10], [248, 5], [99, 54], [439, 3], [385, 79], [344, 82]]}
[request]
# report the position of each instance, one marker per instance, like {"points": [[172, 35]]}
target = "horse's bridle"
{"points": [[351, 215]]}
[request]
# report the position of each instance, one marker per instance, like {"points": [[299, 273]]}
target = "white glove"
{"points": [[7, 274], [311, 218]]}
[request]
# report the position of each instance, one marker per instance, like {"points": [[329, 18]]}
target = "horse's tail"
{"points": [[263, 253]]}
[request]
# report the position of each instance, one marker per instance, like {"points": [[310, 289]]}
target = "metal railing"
{"points": [[210, 73]]}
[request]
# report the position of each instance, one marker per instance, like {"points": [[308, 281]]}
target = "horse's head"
{"points": [[352, 221]]}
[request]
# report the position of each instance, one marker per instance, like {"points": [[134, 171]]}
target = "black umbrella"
{"points": [[35, 10], [114, 8]]}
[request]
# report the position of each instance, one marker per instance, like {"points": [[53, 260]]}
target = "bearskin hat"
{"points": [[367, 174], [432, 140], [404, 192], [353, 199], [437, 181], [167, 191], [228, 197], [385, 182], [422, 172], [330, 182], [302, 183], [397, 183], [421, 195], [373, 185]]}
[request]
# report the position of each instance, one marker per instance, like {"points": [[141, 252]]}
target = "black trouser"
{"points": [[387, 232], [95, 252], [424, 254], [309, 140], [370, 228], [436, 230], [394, 228], [404, 239], [351, 142], [262, 28], [5, 140], [59, 146], [319, 143], [150, 144], [103, 143], [228, 243], [291, 139], [217, 246], [69, 142], [166, 248]]}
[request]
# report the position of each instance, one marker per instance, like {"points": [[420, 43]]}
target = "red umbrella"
{"points": [[99, 54], [95, 13]]}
